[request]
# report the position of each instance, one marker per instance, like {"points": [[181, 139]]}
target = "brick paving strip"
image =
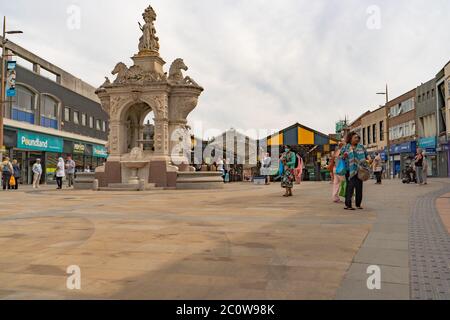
{"points": [[406, 242], [429, 243]]}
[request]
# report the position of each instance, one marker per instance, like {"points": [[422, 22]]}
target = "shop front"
{"points": [[429, 145], [87, 156], [315, 148], [28, 146], [32, 146], [402, 156]]}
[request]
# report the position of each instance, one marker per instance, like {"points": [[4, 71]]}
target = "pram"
{"points": [[409, 175]]}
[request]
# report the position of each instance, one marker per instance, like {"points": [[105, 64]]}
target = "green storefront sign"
{"points": [[39, 142], [100, 151]]}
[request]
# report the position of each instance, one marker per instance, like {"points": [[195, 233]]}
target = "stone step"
{"points": [[118, 189], [128, 187]]}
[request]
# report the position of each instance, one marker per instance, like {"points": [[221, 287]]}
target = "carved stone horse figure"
{"points": [[175, 73], [124, 74]]}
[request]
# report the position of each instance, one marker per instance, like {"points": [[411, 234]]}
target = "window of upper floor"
{"points": [[24, 106], [67, 114], [402, 107], [49, 112], [76, 117]]}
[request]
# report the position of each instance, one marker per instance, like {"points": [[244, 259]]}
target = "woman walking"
{"points": [[266, 166], [60, 172], [288, 158], [17, 173], [336, 178], [354, 153]]}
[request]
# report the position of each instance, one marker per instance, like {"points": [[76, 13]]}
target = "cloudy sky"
{"points": [[264, 64]]}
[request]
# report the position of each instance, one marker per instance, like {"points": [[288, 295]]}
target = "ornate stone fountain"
{"points": [[138, 90]]}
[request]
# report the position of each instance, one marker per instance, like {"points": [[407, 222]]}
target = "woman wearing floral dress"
{"points": [[288, 158]]}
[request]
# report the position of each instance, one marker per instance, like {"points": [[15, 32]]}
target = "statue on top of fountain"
{"points": [[148, 43]]}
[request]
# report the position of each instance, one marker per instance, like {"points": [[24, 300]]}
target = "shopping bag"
{"points": [[341, 168], [342, 189], [12, 181]]}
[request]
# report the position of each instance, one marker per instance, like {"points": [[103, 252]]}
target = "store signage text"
{"points": [[34, 141]]}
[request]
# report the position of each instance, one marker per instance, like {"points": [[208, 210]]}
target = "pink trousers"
{"points": [[336, 186]]}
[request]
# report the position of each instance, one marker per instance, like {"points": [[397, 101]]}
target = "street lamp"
{"points": [[388, 142], [3, 82]]}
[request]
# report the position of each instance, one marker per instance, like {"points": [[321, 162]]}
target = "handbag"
{"points": [[363, 172], [12, 181], [341, 168]]}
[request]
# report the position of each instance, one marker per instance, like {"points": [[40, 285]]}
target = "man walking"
{"points": [[37, 173], [418, 163], [70, 171]]}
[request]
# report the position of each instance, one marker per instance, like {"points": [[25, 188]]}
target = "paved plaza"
{"points": [[243, 242]]}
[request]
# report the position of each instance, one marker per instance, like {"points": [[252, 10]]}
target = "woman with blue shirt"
{"points": [[353, 153]]}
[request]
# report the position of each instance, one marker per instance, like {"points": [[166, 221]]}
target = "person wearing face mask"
{"points": [[288, 158]]}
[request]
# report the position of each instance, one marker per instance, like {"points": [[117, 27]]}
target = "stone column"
{"points": [[162, 137], [114, 141]]}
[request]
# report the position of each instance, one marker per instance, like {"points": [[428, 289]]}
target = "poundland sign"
{"points": [[38, 142]]}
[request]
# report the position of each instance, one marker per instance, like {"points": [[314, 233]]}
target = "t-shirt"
{"points": [[419, 161]]}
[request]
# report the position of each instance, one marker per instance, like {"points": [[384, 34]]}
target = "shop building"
{"points": [[426, 121], [402, 132], [314, 147], [443, 129], [52, 114], [356, 125], [374, 132]]}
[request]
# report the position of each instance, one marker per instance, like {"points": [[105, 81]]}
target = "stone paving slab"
{"points": [[379, 256], [357, 290], [392, 275]]}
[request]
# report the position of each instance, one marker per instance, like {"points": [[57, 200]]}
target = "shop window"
{"points": [[24, 106], [49, 112], [76, 117]]}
